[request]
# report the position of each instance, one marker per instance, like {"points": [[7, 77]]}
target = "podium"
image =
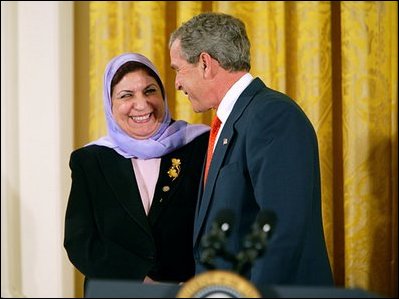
{"points": [[98, 288]]}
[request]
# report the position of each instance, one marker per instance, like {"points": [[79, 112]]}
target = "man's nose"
{"points": [[177, 84]]}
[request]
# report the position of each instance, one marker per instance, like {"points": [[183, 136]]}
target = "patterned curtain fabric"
{"points": [[339, 61]]}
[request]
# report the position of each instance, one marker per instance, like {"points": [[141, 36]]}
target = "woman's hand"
{"points": [[148, 280]]}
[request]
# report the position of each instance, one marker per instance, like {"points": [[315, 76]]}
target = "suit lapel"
{"points": [[119, 173], [221, 148]]}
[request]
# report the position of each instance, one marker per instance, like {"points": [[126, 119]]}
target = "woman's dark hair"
{"points": [[132, 66]]}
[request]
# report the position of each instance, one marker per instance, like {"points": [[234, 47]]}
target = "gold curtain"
{"points": [[338, 60]]}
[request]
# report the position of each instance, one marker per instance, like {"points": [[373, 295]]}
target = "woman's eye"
{"points": [[150, 91], [125, 96]]}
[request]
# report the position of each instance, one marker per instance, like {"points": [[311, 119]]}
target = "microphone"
{"points": [[254, 244], [213, 243]]}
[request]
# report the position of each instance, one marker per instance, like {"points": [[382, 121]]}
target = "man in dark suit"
{"points": [[265, 156]]}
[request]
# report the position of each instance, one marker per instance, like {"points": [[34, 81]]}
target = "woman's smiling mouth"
{"points": [[141, 118]]}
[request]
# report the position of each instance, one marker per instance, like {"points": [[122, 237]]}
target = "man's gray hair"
{"points": [[220, 35]]}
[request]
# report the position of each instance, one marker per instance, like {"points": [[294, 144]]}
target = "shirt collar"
{"points": [[231, 97]]}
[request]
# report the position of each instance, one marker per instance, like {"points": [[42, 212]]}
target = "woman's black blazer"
{"points": [[107, 233]]}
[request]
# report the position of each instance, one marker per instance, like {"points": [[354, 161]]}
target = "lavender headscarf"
{"points": [[169, 137]]}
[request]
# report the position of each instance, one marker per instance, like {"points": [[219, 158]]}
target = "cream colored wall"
{"points": [[36, 140]]}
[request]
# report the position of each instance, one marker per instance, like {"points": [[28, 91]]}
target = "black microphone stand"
{"points": [[213, 244], [254, 244]]}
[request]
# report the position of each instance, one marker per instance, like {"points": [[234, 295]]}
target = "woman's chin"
{"points": [[144, 133]]}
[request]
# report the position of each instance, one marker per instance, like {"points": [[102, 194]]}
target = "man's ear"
{"points": [[205, 61]]}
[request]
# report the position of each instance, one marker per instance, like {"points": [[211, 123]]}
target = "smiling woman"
{"points": [[130, 216]]}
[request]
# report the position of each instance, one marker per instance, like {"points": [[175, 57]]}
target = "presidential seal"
{"points": [[218, 284]]}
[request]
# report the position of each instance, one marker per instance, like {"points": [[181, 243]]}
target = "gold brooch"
{"points": [[174, 170]]}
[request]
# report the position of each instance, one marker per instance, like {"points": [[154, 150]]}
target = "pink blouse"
{"points": [[147, 172]]}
